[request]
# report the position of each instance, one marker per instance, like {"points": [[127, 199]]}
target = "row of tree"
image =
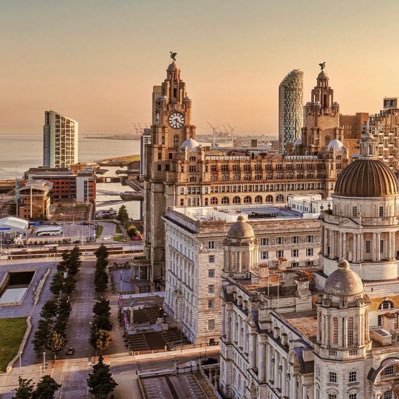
{"points": [[45, 388], [51, 332], [101, 275], [100, 382], [100, 331]]}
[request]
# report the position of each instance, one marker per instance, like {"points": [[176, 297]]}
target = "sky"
{"points": [[96, 61]]}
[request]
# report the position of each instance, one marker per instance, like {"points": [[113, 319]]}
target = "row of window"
{"points": [[280, 253]]}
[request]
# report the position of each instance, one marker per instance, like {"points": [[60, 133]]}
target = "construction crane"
{"points": [[139, 130], [214, 132]]}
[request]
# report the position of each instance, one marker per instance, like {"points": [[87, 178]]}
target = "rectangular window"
{"points": [[264, 241], [211, 304], [354, 212], [381, 211], [264, 255], [332, 377], [309, 238], [211, 244], [211, 258], [211, 289], [381, 246], [380, 320], [350, 331], [388, 370], [211, 324], [368, 247], [388, 395], [211, 273], [295, 239], [294, 264], [309, 251], [335, 330], [295, 253], [280, 254], [352, 376], [332, 396], [353, 396], [280, 240]]}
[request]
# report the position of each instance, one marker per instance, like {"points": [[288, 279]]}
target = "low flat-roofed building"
{"points": [[308, 203], [195, 240], [34, 199]]}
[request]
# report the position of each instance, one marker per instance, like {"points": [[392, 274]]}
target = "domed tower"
{"points": [[241, 249], [362, 224], [321, 123], [343, 340]]}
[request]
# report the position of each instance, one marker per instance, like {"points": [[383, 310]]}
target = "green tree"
{"points": [[57, 283], [46, 388], [123, 216], [100, 280], [100, 381], [74, 262], [56, 341], [103, 340], [101, 252], [49, 309], [64, 308], [24, 390], [102, 307], [42, 334], [102, 322]]}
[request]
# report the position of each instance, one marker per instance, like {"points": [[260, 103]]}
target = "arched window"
{"points": [[247, 200], [225, 200], [280, 198], [258, 199], [269, 198], [386, 305], [214, 201], [236, 200]]}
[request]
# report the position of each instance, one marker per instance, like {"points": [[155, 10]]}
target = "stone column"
{"points": [[252, 350], [326, 243], [345, 332], [343, 245], [332, 244], [339, 244], [378, 253], [262, 359]]}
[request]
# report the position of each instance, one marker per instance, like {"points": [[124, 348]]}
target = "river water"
{"points": [[19, 152]]}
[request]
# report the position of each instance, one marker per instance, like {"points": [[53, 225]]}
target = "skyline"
{"points": [[97, 62]]}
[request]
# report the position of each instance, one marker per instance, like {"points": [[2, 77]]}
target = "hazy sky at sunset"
{"points": [[96, 61]]}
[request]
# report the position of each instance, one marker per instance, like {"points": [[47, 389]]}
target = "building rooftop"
{"points": [[304, 322], [230, 213]]}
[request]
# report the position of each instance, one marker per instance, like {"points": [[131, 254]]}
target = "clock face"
{"points": [[176, 120]]}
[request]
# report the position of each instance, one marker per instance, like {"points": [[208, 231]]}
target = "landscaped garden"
{"points": [[11, 333]]}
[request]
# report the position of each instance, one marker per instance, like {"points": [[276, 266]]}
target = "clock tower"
{"points": [[171, 126]]}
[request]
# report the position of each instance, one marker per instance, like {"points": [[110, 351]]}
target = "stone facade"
{"points": [[195, 242], [181, 172]]}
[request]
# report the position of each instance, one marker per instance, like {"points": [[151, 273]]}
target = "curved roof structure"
{"points": [[240, 229], [366, 178], [11, 223]]}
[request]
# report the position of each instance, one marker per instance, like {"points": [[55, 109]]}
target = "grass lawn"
{"points": [[99, 230], [11, 334], [118, 234]]}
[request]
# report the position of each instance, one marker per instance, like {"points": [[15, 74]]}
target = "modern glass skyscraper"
{"points": [[60, 140], [290, 109]]}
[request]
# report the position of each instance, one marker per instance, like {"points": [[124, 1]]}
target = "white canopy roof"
{"points": [[11, 223]]}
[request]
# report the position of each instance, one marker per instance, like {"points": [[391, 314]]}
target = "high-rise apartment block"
{"points": [[60, 140], [290, 109]]}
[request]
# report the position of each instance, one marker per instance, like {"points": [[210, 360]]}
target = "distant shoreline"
{"points": [[133, 138]]}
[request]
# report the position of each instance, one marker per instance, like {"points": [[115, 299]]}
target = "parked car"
{"points": [[70, 351]]}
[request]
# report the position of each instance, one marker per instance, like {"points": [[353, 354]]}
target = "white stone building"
{"points": [[282, 338], [194, 257]]}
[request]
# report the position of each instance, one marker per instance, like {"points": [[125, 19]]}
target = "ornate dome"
{"points": [[241, 229], [366, 178], [343, 281], [322, 76], [334, 145], [173, 67], [190, 144]]}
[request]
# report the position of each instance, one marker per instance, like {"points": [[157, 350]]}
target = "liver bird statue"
{"points": [[173, 55], [322, 65]]}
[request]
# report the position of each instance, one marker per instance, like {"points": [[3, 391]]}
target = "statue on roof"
{"points": [[173, 55], [322, 65]]}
